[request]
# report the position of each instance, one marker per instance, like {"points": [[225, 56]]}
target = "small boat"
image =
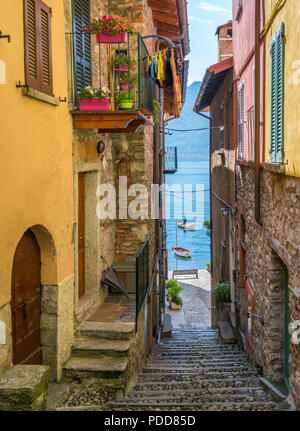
{"points": [[182, 252], [186, 226]]}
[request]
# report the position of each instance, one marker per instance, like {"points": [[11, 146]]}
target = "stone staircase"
{"points": [[195, 370], [100, 351]]}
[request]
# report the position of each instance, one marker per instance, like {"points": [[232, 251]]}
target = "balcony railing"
{"points": [[97, 65], [171, 160], [142, 277]]}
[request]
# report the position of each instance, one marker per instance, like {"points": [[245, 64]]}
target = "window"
{"points": [[222, 128], [241, 121], [277, 72], [38, 53], [82, 44]]}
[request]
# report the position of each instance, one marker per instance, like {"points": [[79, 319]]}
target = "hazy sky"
{"points": [[204, 18]]}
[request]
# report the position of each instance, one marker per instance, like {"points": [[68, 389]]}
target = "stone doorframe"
{"points": [[278, 272], [92, 230]]}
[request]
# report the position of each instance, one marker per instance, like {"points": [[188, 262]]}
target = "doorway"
{"points": [[26, 301], [81, 234]]}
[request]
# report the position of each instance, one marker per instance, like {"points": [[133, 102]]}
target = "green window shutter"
{"points": [[280, 84], [273, 102], [277, 84], [82, 44]]}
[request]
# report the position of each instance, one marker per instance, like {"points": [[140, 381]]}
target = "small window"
{"points": [[241, 122], [38, 52]]}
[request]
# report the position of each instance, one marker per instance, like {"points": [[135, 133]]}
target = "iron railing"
{"points": [[171, 160], [142, 276], [96, 68]]}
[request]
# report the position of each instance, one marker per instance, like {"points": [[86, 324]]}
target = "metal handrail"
{"points": [[142, 277], [249, 314]]}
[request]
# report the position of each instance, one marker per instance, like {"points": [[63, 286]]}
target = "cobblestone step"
{"points": [[102, 347], [82, 368], [111, 331], [196, 371]]}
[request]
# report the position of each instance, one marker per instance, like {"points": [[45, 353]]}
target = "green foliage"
{"points": [[207, 224], [130, 78], [156, 111], [208, 265], [174, 291], [94, 93], [221, 295], [125, 96], [123, 60]]}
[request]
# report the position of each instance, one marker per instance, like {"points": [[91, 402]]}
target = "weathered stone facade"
{"points": [[272, 249]]}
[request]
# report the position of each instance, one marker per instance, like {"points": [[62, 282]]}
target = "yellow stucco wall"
{"points": [[36, 179], [290, 15]]}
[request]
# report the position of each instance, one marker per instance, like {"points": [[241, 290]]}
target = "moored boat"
{"points": [[186, 226], [182, 252]]}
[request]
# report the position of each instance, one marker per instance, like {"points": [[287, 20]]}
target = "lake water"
{"points": [[198, 241]]}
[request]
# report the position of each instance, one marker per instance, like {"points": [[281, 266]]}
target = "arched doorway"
{"points": [[26, 301]]}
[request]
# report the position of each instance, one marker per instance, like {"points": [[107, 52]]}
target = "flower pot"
{"points": [[107, 37], [124, 86], [125, 68], [126, 105], [93, 104], [174, 306]]}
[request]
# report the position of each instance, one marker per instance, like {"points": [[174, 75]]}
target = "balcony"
{"points": [[171, 160], [120, 70]]}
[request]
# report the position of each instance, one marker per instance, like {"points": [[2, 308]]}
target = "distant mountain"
{"points": [[190, 145]]}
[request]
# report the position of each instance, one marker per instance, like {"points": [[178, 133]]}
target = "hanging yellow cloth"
{"points": [[161, 76], [176, 87]]}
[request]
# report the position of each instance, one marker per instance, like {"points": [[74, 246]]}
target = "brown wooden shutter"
{"points": [[38, 49]]}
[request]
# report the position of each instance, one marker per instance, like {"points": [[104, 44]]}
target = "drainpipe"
{"points": [[210, 193], [257, 111]]}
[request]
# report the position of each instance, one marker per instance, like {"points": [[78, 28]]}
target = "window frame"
{"points": [[241, 125], [37, 82]]}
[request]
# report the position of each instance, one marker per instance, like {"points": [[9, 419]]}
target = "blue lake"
{"points": [[198, 241]]}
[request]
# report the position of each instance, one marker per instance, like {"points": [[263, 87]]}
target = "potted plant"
{"points": [[127, 79], [110, 29], [208, 266], [94, 99], [125, 99], [173, 292], [207, 224], [123, 62], [222, 300]]}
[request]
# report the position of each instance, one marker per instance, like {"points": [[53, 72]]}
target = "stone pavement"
{"points": [[195, 312], [195, 371]]}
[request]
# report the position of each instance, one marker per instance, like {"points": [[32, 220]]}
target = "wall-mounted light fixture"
{"points": [[100, 147], [224, 212]]}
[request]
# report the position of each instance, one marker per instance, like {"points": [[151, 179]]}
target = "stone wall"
{"points": [[269, 249], [222, 183]]}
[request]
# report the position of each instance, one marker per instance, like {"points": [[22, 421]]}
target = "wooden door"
{"points": [[81, 234], [26, 301]]}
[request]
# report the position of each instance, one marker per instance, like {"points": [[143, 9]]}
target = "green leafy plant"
{"points": [[128, 77], [123, 60], [156, 111], [208, 266], [173, 291], [221, 295], [111, 24], [207, 224], [94, 93], [125, 96]]}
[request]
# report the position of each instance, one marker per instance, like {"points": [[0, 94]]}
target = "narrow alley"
{"points": [[196, 371]]}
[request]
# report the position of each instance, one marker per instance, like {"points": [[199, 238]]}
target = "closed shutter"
{"points": [[241, 122], [222, 127], [82, 44], [277, 83], [38, 50]]}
